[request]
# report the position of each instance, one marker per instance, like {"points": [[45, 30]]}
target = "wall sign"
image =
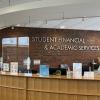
{"points": [[66, 44]]}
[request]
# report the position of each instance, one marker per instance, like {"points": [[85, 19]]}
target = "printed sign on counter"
{"points": [[6, 67], [89, 75], [77, 70], [14, 67], [44, 71]]}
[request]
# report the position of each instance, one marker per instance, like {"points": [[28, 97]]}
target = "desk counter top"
{"points": [[96, 77]]}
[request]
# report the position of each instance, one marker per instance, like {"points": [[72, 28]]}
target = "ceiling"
{"points": [[7, 3], [67, 14]]}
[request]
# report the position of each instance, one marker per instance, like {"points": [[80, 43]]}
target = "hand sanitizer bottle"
{"points": [[28, 63], [68, 73], [89, 68]]}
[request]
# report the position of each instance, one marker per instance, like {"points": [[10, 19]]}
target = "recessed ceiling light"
{"points": [[12, 27], [18, 25], [62, 27]]}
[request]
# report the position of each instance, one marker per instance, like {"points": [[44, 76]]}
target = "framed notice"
{"points": [[77, 70], [6, 67], [44, 71], [88, 75], [14, 67], [36, 61]]}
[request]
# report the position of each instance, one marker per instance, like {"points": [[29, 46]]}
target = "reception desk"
{"points": [[20, 87]]}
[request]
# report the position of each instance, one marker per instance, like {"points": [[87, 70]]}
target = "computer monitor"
{"points": [[53, 71], [86, 68], [63, 71]]}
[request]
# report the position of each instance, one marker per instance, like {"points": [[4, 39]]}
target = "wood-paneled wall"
{"points": [[54, 58]]}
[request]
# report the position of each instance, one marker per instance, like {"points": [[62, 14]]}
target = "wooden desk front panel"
{"points": [[13, 81], [37, 88], [66, 89], [12, 87]]}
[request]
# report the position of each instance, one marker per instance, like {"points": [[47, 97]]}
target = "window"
{"points": [[9, 41], [23, 41]]}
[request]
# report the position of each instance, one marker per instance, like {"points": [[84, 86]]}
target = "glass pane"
{"points": [[24, 41], [9, 49], [9, 41], [23, 52]]}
